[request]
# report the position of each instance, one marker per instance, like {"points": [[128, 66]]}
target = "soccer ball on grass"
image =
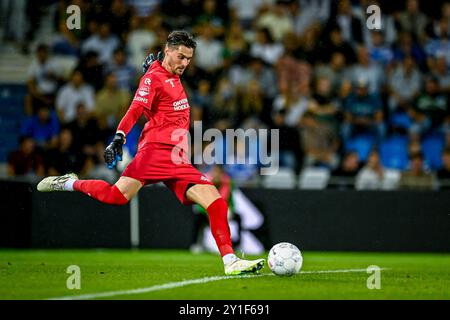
{"points": [[285, 259]]}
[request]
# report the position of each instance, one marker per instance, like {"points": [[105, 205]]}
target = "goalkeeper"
{"points": [[162, 150]]}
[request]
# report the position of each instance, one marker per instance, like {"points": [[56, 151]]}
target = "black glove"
{"points": [[113, 152], [150, 59]]}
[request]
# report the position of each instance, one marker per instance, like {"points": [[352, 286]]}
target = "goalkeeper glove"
{"points": [[113, 151], [150, 59]]}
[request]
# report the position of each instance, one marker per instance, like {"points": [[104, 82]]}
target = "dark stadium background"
{"points": [[297, 66]]}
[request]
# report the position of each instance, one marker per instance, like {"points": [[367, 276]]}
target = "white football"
{"points": [[285, 259]]}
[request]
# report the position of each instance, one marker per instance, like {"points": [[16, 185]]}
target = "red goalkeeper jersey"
{"points": [[163, 101]]}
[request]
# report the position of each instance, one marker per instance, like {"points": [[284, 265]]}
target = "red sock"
{"points": [[218, 220], [101, 190]]}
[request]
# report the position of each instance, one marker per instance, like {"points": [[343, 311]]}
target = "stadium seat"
{"points": [[9, 124], [432, 147], [314, 178], [12, 90], [394, 153], [285, 178], [400, 120], [11, 110], [362, 144]]}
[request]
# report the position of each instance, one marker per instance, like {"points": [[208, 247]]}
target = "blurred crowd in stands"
{"points": [[354, 101]]}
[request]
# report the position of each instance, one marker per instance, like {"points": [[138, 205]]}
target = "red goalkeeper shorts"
{"points": [[165, 163]]}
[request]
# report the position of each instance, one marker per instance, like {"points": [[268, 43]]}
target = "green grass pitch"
{"points": [[180, 275]]}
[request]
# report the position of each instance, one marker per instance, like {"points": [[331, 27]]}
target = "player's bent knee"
{"points": [[128, 187], [203, 194], [116, 197]]}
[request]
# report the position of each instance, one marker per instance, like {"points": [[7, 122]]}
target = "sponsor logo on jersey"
{"points": [[171, 82], [181, 104], [144, 91], [147, 81], [140, 99]]}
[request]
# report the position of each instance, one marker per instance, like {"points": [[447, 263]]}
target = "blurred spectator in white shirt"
{"points": [[209, 52], [144, 8], [404, 85], [43, 78], [140, 40], [278, 20], [265, 48], [71, 95], [124, 72], [103, 42], [246, 11], [365, 69], [371, 176]]}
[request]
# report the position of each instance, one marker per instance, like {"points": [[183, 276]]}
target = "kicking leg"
{"points": [[209, 198], [117, 194]]}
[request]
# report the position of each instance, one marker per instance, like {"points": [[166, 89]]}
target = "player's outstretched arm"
{"points": [[113, 153]]}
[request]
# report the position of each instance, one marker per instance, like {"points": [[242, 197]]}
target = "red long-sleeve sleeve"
{"points": [[130, 118], [142, 103]]}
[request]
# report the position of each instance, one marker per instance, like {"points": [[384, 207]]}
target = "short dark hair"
{"points": [[42, 47], [416, 155], [23, 138], [119, 49], [180, 37]]}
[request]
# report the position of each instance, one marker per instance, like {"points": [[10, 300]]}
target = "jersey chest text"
{"points": [[172, 97]]}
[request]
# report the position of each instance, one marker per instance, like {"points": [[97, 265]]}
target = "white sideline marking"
{"points": [[165, 286], [178, 284], [338, 271]]}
